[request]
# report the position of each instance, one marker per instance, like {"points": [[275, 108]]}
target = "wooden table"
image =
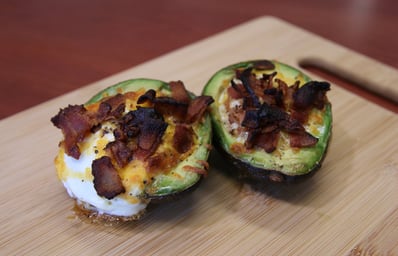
{"points": [[349, 207], [48, 48]]}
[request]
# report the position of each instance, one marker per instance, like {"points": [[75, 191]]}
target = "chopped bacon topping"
{"points": [[143, 130], [120, 152], [165, 105], [267, 109], [185, 111], [302, 139], [137, 134], [107, 181], [197, 108], [195, 169], [75, 124], [249, 81], [310, 95], [111, 108], [178, 92]]}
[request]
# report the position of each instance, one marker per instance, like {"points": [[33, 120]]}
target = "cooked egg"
{"points": [[77, 178]]}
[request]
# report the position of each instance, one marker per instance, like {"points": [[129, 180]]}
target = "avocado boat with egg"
{"points": [[136, 142], [271, 120]]}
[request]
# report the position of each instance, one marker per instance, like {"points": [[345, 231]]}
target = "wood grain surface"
{"points": [[349, 207], [48, 48]]}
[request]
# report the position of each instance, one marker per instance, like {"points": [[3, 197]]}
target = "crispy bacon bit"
{"points": [[203, 163], [75, 124], [267, 140], [111, 108], [197, 108], [248, 80], [178, 91], [302, 139], [147, 126], [267, 109], [166, 105], [137, 134], [151, 133], [155, 162], [120, 152], [107, 182], [311, 94], [194, 169], [183, 138], [170, 107], [234, 92], [149, 95]]}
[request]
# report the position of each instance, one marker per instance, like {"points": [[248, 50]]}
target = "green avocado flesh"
{"points": [[178, 179], [284, 160]]}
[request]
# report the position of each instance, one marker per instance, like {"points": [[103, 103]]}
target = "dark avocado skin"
{"points": [[244, 171]]}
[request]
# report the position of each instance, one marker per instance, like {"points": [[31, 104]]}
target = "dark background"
{"points": [[51, 47]]}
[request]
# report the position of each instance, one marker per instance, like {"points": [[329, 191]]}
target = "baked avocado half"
{"points": [[133, 143], [271, 120]]}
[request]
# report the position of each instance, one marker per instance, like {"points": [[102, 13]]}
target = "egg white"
{"points": [[77, 178]]}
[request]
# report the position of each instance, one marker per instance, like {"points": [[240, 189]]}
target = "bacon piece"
{"points": [[151, 133], [273, 96], [183, 138], [149, 95], [287, 92], [301, 115], [178, 92], [251, 119], [264, 125], [75, 123], [248, 80], [107, 181], [170, 107], [268, 114], [197, 108], [180, 105], [268, 141], [111, 108], [302, 139], [120, 152], [194, 169], [147, 126], [166, 105], [311, 94], [235, 91]]}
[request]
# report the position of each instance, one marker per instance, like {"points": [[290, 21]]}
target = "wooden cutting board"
{"points": [[349, 207]]}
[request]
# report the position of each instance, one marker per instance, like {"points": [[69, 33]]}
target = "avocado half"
{"points": [[169, 184], [137, 142], [285, 163]]}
